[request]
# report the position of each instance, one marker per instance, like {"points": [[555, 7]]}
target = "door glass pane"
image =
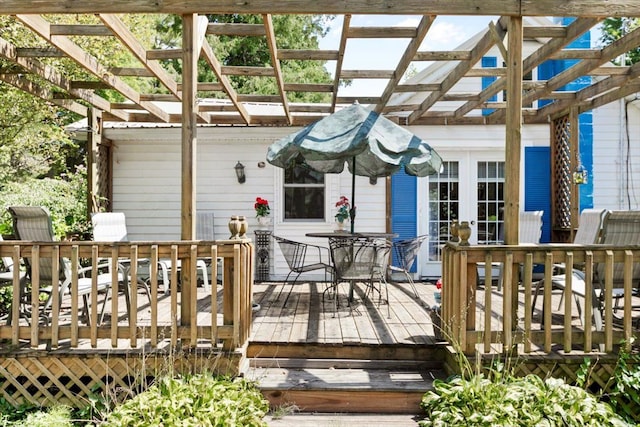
{"points": [[490, 191], [443, 207]]}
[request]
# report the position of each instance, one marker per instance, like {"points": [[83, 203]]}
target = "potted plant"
{"points": [[262, 210], [343, 212]]}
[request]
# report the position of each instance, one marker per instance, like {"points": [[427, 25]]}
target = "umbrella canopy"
{"points": [[370, 144]]}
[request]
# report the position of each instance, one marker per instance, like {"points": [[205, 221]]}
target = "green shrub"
{"points": [[624, 387], [505, 400], [56, 416], [65, 198], [199, 400]]}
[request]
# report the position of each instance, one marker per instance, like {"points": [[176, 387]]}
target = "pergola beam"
{"points": [[585, 8]]}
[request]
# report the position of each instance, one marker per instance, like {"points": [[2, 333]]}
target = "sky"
{"points": [[446, 33]]}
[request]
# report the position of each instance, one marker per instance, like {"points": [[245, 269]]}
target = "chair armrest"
{"points": [[101, 266], [321, 251]]}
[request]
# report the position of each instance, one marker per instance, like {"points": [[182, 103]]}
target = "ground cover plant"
{"points": [[198, 401], [506, 400], [190, 401]]}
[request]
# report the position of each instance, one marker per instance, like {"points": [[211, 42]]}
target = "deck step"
{"points": [[297, 363], [344, 386]]}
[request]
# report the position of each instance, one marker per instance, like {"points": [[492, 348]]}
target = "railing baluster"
{"points": [[133, 285], [527, 279], [588, 302], [488, 297], [154, 296], [628, 285], [546, 301], [608, 303], [507, 303], [568, 300]]}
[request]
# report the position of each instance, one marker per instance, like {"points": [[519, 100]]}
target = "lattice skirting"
{"points": [[44, 379], [566, 367]]}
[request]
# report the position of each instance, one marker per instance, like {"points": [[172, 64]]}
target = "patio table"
{"points": [[348, 235]]}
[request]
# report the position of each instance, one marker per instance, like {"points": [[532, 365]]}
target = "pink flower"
{"points": [[343, 209]]}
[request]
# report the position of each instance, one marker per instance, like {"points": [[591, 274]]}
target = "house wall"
{"points": [[616, 156], [147, 185]]}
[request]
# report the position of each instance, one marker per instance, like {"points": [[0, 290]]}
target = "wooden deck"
{"points": [[310, 319]]}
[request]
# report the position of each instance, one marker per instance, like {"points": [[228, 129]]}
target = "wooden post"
{"points": [[189, 134], [513, 135], [94, 120], [513, 151]]}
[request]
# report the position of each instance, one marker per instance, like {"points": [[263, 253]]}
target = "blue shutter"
{"points": [[537, 185], [404, 211], [486, 62]]}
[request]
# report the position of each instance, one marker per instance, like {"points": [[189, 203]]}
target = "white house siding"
{"points": [[616, 161], [147, 185]]}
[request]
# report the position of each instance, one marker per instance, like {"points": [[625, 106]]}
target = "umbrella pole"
{"points": [[352, 212]]}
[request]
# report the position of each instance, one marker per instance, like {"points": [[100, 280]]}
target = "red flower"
{"points": [[262, 207], [439, 283]]}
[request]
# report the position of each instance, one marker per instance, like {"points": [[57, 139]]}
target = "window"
{"points": [[304, 193]]}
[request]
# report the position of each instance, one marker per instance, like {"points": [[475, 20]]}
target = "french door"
{"points": [[469, 188]]}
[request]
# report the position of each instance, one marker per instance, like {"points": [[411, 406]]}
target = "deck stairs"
{"points": [[343, 378]]}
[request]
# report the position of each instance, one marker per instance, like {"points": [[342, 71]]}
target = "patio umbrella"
{"points": [[370, 144]]}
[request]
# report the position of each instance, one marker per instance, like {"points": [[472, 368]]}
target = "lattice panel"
{"points": [[562, 172], [72, 379], [103, 186], [562, 366]]}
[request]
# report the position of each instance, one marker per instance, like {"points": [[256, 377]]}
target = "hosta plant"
{"points": [[513, 401], [197, 401]]}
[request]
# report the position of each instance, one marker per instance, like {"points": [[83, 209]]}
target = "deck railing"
{"points": [[138, 323], [500, 317]]}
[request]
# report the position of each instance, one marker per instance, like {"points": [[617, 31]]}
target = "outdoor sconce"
{"points": [[239, 167], [580, 175]]}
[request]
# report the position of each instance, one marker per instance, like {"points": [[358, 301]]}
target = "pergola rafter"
{"points": [[418, 103]]}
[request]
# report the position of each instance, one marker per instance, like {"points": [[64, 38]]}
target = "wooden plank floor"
{"points": [[308, 317]]}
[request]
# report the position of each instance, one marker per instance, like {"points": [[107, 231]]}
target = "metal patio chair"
{"points": [[529, 231], [619, 228], [112, 227], [302, 258], [406, 252], [205, 230], [588, 233], [361, 260], [33, 223], [6, 279]]}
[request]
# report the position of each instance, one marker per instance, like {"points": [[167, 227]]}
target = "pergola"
{"points": [[507, 33]]}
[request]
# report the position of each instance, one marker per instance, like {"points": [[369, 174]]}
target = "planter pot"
{"points": [[435, 313], [341, 226], [264, 221]]}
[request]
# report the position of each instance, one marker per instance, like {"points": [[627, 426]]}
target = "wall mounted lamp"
{"points": [[239, 167]]}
